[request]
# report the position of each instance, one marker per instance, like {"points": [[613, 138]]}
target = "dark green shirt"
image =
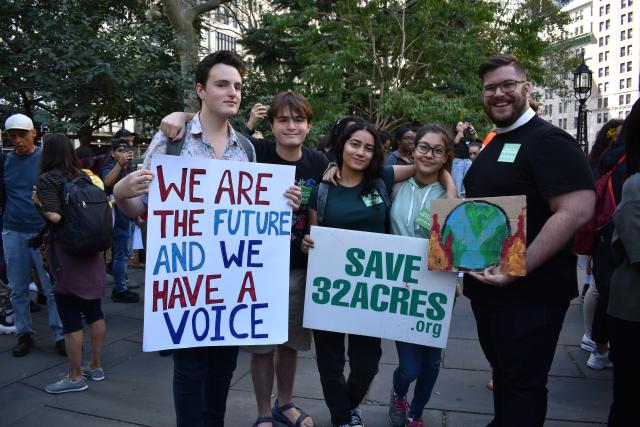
{"points": [[347, 209]]}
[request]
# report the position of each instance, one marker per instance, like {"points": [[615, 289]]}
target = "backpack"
{"points": [[323, 191], [175, 148], [87, 224], [605, 206]]}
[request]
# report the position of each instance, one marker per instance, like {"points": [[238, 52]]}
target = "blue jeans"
{"points": [[416, 362], [201, 381], [121, 247], [459, 169], [20, 258]]}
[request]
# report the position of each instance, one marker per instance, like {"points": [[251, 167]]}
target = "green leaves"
{"points": [[394, 62], [90, 62]]}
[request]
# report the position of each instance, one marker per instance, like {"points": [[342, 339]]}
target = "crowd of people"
{"points": [[357, 179]]}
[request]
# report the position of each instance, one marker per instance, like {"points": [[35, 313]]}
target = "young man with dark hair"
{"points": [[519, 318], [202, 375], [290, 117]]}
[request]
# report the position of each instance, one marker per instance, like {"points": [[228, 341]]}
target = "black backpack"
{"points": [[87, 224]]}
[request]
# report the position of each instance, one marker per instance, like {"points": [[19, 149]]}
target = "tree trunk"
{"points": [[182, 14]]}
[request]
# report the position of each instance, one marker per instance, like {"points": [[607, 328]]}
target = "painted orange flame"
{"points": [[514, 248], [440, 258]]}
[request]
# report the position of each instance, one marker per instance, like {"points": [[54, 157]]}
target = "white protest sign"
{"points": [[377, 285], [218, 239]]}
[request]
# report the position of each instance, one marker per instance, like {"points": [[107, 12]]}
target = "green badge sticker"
{"points": [[306, 192], [370, 200], [424, 218], [508, 153]]}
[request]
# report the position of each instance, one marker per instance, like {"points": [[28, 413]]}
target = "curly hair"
{"points": [[603, 140]]}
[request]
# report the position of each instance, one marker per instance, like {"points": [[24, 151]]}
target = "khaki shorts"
{"points": [[299, 337]]}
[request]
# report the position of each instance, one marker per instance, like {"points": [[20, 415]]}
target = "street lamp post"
{"points": [[582, 90]]}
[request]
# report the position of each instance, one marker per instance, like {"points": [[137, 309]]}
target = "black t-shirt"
{"points": [[548, 163], [309, 171]]}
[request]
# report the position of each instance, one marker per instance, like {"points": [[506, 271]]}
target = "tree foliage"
{"points": [[396, 62], [87, 63]]}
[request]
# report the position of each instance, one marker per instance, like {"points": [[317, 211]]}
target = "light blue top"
{"points": [[407, 204]]}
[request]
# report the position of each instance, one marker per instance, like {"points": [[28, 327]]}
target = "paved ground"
{"points": [[137, 390]]}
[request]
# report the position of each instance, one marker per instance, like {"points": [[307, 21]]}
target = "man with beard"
{"points": [[519, 318]]}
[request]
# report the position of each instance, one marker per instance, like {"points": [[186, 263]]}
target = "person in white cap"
{"points": [[21, 221]]}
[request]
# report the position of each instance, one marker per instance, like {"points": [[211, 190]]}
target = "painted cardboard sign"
{"points": [[218, 240], [377, 285], [473, 234]]}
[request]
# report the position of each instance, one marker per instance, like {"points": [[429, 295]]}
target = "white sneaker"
{"points": [[33, 287], [599, 361], [587, 344]]}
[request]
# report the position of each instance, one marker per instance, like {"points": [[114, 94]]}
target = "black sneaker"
{"points": [[126, 296], [24, 345], [60, 347]]}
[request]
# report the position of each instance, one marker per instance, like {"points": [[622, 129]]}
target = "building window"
{"points": [[601, 41], [605, 117], [621, 83], [629, 66], [606, 55], [606, 86], [225, 42], [606, 71], [601, 10], [599, 102], [628, 98], [630, 17], [607, 9], [623, 35], [621, 100], [606, 24], [622, 18], [575, 122], [606, 102], [623, 3], [559, 123], [600, 57], [601, 26], [599, 118], [622, 68], [622, 51], [564, 123], [629, 50], [606, 41], [629, 82], [599, 72], [599, 88], [629, 33]]}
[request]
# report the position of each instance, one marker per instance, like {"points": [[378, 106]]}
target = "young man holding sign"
{"points": [[202, 375], [290, 118]]}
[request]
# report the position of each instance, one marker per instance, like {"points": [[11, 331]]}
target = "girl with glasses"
{"points": [[410, 216]]}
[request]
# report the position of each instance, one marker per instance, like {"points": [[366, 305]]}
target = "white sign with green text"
{"points": [[377, 285]]}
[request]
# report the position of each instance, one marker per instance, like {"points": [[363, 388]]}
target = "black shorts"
{"points": [[70, 309]]}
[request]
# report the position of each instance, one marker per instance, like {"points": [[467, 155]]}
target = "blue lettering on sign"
{"points": [[179, 257]]}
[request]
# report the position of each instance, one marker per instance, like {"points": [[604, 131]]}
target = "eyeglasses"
{"points": [[507, 86], [438, 151]]}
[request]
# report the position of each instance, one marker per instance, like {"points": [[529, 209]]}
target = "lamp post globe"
{"points": [[582, 85]]}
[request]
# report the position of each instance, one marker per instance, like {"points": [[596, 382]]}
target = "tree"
{"points": [[394, 62], [184, 15], [86, 63]]}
